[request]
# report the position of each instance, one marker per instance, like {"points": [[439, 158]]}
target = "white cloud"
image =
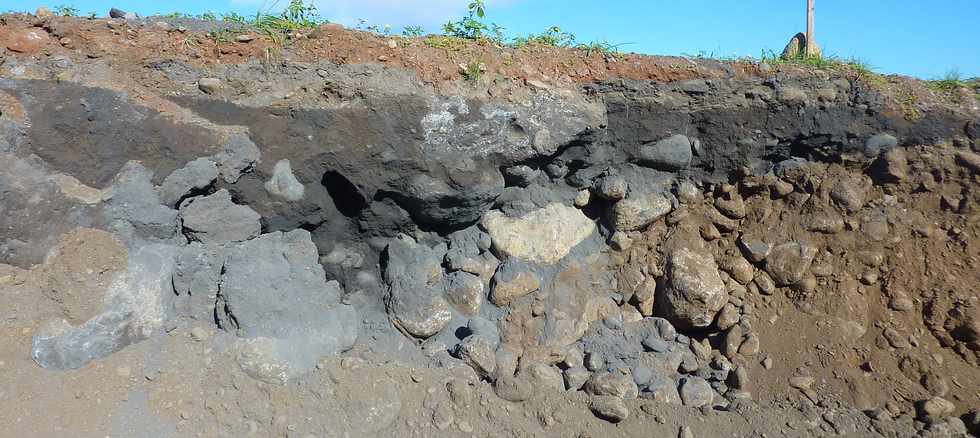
{"points": [[397, 13]]}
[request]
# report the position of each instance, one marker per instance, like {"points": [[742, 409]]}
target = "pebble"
{"points": [[801, 382], [583, 198], [896, 339], [465, 427], [767, 363], [594, 361], [727, 317], [750, 346], [935, 409], [199, 334], [733, 340], [609, 408], [654, 343]]}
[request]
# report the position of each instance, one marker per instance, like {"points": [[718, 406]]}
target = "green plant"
{"points": [[473, 27], [66, 10], [472, 71], [950, 81], [92, 15], [602, 47], [552, 36], [413, 31], [209, 16], [449, 43]]}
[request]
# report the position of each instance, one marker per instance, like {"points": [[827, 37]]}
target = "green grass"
{"points": [[553, 36], [951, 81], [860, 67]]}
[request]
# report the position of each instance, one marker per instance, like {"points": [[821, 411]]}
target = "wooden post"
{"points": [[810, 42]]}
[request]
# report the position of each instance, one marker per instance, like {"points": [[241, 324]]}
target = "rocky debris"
{"points": [[521, 176], [671, 153], [693, 292], [545, 235], [788, 263], [609, 408], [416, 287], [636, 212], [934, 409], [273, 289], [136, 304], [134, 209], [193, 178], [284, 184], [216, 219]]}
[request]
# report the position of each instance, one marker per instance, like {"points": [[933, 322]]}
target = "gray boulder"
{"points": [[272, 287], [416, 287], [134, 209], [216, 219], [671, 153], [284, 184], [239, 155], [696, 392], [194, 176], [137, 304]]}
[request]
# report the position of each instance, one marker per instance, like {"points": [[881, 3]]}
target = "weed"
{"points": [[472, 71], [473, 27], [603, 48], [413, 31], [92, 15], [66, 11], [448, 43], [208, 16], [950, 81], [553, 36]]}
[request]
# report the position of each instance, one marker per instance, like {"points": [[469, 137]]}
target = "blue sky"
{"points": [[914, 37]]}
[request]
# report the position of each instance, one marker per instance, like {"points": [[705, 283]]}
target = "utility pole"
{"points": [[811, 44]]}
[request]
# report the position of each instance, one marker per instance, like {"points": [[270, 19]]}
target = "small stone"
{"points": [[199, 334], [609, 408], [284, 184], [731, 204], [575, 378], [611, 187], [583, 198], [896, 339], [754, 249], [695, 392], [801, 382], [209, 85], [738, 268], [750, 346], [900, 302], [478, 353], [245, 37], [465, 427], [727, 317], [594, 361], [934, 409], [788, 263], [617, 384], [620, 241], [733, 340]]}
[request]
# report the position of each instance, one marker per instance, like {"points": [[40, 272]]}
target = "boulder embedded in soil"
{"points": [[671, 153], [545, 235], [216, 219], [693, 292], [416, 287], [788, 263], [637, 212]]}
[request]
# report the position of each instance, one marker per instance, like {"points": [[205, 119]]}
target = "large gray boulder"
{"points": [[135, 210], [671, 153], [273, 288], [693, 292], [136, 305], [216, 219], [194, 176], [416, 287]]}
